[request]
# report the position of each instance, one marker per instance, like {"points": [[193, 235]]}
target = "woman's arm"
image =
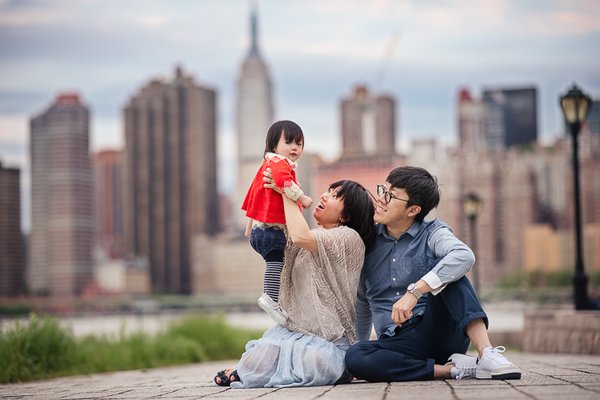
{"points": [[298, 228]]}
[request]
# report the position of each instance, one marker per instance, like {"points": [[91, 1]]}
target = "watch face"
{"points": [[412, 288]]}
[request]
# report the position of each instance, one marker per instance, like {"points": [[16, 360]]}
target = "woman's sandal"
{"points": [[224, 379]]}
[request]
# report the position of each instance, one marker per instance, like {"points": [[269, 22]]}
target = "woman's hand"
{"points": [[268, 181]]}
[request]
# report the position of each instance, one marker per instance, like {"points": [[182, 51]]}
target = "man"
{"points": [[414, 291]]}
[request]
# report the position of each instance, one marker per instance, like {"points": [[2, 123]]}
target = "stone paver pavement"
{"points": [[545, 376]]}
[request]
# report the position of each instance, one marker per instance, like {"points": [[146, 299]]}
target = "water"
{"points": [[115, 324], [502, 318]]}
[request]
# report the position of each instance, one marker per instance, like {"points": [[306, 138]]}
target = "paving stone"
{"points": [[545, 376]]}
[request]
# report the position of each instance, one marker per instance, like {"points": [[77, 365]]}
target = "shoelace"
{"points": [[495, 353], [465, 371]]}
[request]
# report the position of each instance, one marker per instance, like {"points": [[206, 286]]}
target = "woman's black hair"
{"points": [[291, 130], [358, 209]]}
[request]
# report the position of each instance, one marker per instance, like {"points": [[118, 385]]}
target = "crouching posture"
{"points": [[413, 290]]}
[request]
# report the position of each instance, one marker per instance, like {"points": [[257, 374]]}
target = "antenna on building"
{"points": [[253, 28], [388, 55]]}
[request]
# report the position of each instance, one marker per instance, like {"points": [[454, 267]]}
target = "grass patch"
{"points": [[42, 349]]}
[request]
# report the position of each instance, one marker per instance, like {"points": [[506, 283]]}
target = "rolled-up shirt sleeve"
{"points": [[456, 259]]}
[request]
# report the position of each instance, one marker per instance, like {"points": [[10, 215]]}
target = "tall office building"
{"points": [[471, 122], [368, 126], [62, 215], [108, 180], [170, 177], [511, 117], [12, 258], [368, 123], [254, 117]]}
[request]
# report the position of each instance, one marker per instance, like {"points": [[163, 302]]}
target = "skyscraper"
{"points": [[593, 120], [368, 123], [170, 177], [368, 126], [471, 122], [511, 117], [108, 180], [62, 216], [254, 117], [12, 260]]}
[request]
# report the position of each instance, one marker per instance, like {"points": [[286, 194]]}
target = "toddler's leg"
{"points": [[269, 301], [272, 279]]}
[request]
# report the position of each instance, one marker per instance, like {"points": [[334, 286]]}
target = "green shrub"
{"points": [[536, 279], [35, 350], [178, 350], [15, 310], [595, 278], [42, 349], [513, 279], [218, 340], [560, 278], [102, 354]]}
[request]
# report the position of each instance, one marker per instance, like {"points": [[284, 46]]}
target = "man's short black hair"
{"points": [[420, 186]]}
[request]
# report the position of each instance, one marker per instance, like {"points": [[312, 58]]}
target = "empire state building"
{"points": [[254, 114]]}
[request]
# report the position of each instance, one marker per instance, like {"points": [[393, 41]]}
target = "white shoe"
{"points": [[493, 365], [273, 309], [464, 366]]}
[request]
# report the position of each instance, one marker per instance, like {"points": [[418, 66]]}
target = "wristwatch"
{"points": [[414, 290]]}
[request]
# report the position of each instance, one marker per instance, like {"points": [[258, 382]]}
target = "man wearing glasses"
{"points": [[413, 290]]}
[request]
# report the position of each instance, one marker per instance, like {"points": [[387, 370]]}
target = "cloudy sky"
{"points": [[420, 51]]}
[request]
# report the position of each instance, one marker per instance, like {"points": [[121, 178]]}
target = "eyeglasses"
{"points": [[387, 196]]}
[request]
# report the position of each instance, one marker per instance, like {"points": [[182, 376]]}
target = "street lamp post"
{"points": [[575, 106], [471, 204]]}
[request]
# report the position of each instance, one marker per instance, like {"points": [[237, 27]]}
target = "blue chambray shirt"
{"points": [[428, 250]]}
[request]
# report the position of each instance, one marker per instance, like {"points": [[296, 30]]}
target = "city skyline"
{"points": [[421, 54]]}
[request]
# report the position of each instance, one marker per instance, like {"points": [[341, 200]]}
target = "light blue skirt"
{"points": [[285, 359]]}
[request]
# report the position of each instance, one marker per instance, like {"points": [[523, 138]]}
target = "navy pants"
{"points": [[270, 244], [423, 341]]}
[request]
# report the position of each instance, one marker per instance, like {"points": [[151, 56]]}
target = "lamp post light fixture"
{"points": [[575, 107], [471, 204]]}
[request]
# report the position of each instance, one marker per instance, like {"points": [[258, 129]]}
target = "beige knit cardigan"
{"points": [[318, 291]]}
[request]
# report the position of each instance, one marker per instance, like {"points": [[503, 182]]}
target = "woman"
{"points": [[318, 289]]}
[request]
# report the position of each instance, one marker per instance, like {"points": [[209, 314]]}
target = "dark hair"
{"points": [[422, 188], [290, 129], [358, 209]]}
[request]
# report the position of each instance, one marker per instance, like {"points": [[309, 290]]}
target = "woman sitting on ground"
{"points": [[318, 290]]}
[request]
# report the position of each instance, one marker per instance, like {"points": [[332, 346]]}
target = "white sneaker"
{"points": [[493, 365], [464, 366], [273, 309]]}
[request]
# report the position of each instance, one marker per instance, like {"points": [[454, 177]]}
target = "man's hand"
{"points": [[268, 181], [402, 309]]}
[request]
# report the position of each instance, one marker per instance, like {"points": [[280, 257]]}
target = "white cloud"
{"points": [[151, 21], [13, 129]]}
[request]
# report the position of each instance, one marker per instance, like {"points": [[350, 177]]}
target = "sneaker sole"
{"points": [[509, 374]]}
